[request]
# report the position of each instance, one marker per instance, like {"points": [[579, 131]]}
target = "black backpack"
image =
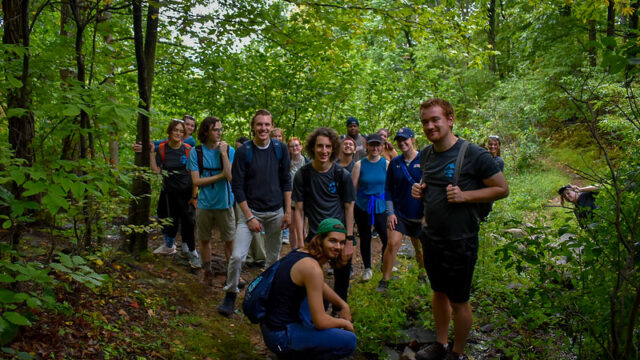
{"points": [[480, 210]]}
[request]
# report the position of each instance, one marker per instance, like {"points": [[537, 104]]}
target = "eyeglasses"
{"points": [[218, 130], [494, 137]]}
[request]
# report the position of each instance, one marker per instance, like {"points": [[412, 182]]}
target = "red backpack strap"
{"points": [[187, 149], [161, 150]]}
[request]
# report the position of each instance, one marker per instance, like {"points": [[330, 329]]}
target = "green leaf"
{"points": [[78, 189], [15, 318], [6, 224], [71, 110], [54, 202], [6, 296], [6, 278], [78, 260], [34, 187]]}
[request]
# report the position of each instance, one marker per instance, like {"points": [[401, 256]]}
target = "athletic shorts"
{"points": [[449, 265], [409, 228], [222, 219]]}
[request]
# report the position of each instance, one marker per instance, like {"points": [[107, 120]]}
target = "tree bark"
{"points": [[592, 49], [145, 59], [611, 20], [491, 13], [22, 125]]}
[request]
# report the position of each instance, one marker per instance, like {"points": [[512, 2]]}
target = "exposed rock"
{"points": [[517, 233], [408, 354], [390, 353], [418, 334]]}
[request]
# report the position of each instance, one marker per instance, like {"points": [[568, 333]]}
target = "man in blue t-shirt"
{"points": [[210, 166], [450, 234], [262, 186]]}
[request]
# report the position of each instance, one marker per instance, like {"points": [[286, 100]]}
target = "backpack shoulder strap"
{"points": [[305, 170], [248, 145], [187, 150], [337, 176], [277, 146], [460, 162], [161, 150], [425, 154], [200, 155]]}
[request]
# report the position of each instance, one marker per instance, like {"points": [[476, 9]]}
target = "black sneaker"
{"points": [[382, 286], [455, 356], [435, 351]]}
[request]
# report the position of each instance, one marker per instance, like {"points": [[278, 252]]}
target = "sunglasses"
{"points": [[178, 120], [494, 137]]}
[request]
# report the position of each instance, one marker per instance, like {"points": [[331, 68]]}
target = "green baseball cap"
{"points": [[331, 225]]}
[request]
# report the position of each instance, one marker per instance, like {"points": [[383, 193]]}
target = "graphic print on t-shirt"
{"points": [[449, 170]]}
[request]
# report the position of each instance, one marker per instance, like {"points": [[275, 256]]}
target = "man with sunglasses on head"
{"points": [[262, 186]]}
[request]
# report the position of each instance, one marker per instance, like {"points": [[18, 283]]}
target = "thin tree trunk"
{"points": [[22, 126], [592, 49], [145, 59], [611, 20], [491, 13]]}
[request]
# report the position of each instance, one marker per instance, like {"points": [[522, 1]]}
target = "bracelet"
{"points": [[251, 218], [352, 238]]}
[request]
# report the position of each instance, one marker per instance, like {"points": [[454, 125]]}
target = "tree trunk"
{"points": [[611, 20], [592, 37], [491, 13], [22, 125], [145, 59]]}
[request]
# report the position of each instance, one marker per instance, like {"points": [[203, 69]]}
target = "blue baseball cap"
{"points": [[404, 133], [352, 120]]}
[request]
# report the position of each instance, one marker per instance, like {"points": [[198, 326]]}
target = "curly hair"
{"points": [[333, 136], [205, 126]]}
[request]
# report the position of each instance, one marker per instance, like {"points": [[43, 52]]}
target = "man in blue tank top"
{"points": [[450, 234], [296, 325]]}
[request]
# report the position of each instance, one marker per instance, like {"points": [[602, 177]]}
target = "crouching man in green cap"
{"points": [[296, 324]]}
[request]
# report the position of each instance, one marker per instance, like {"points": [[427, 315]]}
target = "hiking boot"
{"points": [[382, 286], [435, 351], [366, 275], [228, 303], [455, 356], [195, 260], [164, 250]]}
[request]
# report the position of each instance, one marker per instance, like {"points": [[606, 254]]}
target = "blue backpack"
{"points": [[254, 305]]}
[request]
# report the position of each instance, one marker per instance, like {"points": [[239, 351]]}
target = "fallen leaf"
{"points": [[135, 304]]}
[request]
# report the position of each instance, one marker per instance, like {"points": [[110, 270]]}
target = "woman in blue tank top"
{"points": [[369, 175]]}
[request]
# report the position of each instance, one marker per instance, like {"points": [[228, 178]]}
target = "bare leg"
{"points": [[205, 248], [389, 258], [441, 315], [462, 320], [417, 246]]}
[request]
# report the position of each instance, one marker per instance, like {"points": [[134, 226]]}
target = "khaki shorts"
{"points": [[223, 220]]}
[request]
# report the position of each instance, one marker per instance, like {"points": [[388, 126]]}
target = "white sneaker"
{"points": [[195, 260], [185, 250], [394, 269], [285, 241], [164, 250], [366, 276]]}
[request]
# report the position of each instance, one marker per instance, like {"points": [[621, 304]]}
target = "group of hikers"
{"points": [[263, 186]]}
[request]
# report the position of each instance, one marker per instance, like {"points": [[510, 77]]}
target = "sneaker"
{"points": [[382, 286], [195, 260], [185, 250], [435, 351], [366, 276], [455, 356], [164, 250], [226, 308], [394, 269]]}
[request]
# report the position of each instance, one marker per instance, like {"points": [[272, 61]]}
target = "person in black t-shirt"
{"points": [[323, 189], [177, 189], [584, 200], [450, 234]]}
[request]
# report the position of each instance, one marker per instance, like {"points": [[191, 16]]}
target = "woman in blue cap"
{"points": [[369, 175]]}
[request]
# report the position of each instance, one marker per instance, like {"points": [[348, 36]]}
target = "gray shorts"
{"points": [[222, 219]]}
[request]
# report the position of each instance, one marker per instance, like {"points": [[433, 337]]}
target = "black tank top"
{"points": [[283, 305]]}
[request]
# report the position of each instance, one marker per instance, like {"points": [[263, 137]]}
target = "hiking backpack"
{"points": [[254, 305], [248, 145], [480, 210]]}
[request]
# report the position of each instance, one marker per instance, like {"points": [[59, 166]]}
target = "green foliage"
{"points": [[27, 288]]}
